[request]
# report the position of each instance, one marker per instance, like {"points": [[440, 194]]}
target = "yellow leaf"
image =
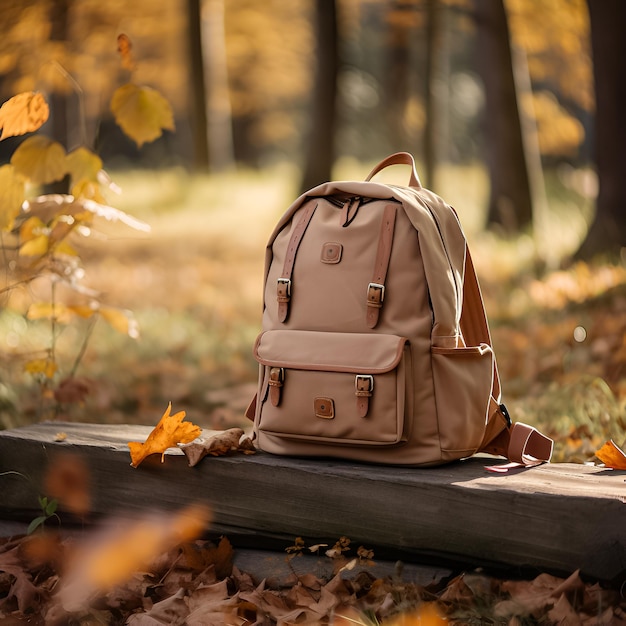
{"points": [[115, 553], [87, 189], [169, 432], [37, 246], [83, 165], [46, 310], [82, 310], [612, 456], [141, 112], [40, 159], [12, 196], [23, 113], [121, 320], [32, 227], [65, 248], [47, 367]]}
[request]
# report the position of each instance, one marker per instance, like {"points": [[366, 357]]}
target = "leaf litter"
{"points": [[154, 570]]}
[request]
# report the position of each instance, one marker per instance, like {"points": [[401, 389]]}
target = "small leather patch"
{"points": [[331, 252], [324, 408]]}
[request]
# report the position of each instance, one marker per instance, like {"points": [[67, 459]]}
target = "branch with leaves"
{"points": [[39, 233]]}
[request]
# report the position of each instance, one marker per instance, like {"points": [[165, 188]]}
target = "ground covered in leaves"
{"points": [[89, 579]]}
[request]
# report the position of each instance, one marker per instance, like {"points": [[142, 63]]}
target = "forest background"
{"points": [[512, 108]]}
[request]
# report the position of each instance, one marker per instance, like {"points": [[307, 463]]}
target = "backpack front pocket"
{"points": [[340, 388]]}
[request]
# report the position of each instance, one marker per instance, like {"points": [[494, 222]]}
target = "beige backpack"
{"points": [[375, 345]]}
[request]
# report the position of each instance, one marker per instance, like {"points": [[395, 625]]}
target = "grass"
{"points": [[194, 284]]}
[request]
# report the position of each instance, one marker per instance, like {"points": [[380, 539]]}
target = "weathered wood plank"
{"points": [[558, 517]]}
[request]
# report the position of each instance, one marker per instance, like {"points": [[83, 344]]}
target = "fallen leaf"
{"points": [[112, 555], [169, 432], [612, 456], [72, 390], [141, 112], [225, 442], [23, 113], [67, 480]]}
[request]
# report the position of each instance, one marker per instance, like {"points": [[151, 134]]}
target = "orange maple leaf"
{"points": [[169, 432], [612, 456]]}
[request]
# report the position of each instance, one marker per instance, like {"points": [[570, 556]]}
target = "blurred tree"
{"points": [[198, 88], [554, 38], [320, 144], [268, 50], [608, 25], [433, 36], [400, 19], [510, 202], [59, 100]]}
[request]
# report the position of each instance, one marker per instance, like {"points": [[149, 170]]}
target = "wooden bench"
{"points": [[556, 517]]}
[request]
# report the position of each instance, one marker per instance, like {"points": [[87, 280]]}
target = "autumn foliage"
{"points": [[40, 233]]}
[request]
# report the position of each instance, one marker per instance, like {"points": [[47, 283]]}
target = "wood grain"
{"points": [[556, 517]]}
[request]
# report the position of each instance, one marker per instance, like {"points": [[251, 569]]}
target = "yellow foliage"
{"points": [[40, 160], [169, 432], [612, 456], [131, 547], [558, 131], [121, 320], [47, 367], [48, 310], [22, 114], [141, 112], [12, 196], [83, 165]]}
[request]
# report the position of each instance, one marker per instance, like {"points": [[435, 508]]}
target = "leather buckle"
{"points": [[283, 289], [363, 385], [375, 294]]}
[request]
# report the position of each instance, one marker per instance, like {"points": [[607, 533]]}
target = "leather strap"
{"points": [[283, 288], [399, 158], [527, 446], [363, 388], [376, 288], [276, 381], [519, 442]]}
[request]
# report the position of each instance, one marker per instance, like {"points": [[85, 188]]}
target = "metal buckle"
{"points": [[376, 286], [367, 377], [287, 282]]}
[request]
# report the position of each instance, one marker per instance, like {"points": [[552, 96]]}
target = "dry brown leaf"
{"points": [[125, 47], [612, 456], [169, 432], [68, 480], [23, 113], [225, 442]]}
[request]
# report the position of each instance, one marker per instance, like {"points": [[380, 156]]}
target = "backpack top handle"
{"points": [[399, 158]]}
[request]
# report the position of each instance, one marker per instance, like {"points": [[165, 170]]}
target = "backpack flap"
{"points": [[342, 388]]}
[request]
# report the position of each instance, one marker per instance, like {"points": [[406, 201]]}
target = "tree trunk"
{"points": [[59, 100], [397, 72], [432, 112], [320, 149], [510, 202], [197, 91], [607, 233]]}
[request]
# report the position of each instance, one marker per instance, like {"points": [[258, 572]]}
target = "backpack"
{"points": [[375, 345]]}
